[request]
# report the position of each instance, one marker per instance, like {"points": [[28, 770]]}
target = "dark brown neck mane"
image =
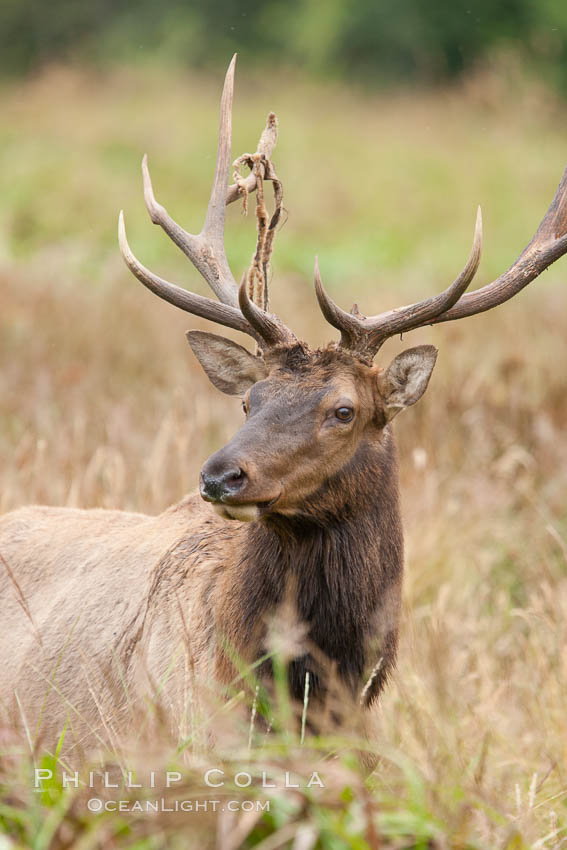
{"points": [[343, 559]]}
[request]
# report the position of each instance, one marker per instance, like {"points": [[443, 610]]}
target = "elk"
{"points": [[97, 603]]}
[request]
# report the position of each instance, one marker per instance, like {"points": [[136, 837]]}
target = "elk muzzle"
{"points": [[222, 484], [234, 486]]}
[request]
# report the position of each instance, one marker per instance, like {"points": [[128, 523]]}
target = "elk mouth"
{"points": [[245, 511]]}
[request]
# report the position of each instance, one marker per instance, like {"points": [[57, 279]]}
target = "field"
{"points": [[102, 404]]}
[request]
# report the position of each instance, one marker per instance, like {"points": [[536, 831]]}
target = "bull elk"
{"points": [[96, 604]]}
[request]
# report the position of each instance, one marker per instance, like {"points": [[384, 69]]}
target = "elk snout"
{"points": [[221, 483]]}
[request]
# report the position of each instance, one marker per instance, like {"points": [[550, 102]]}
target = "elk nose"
{"points": [[220, 485]]}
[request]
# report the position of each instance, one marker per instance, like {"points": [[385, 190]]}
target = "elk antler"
{"points": [[367, 335], [206, 249]]}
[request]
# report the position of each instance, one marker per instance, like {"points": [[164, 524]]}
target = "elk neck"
{"points": [[339, 564]]}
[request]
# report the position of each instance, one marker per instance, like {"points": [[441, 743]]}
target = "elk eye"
{"points": [[244, 408], [344, 414]]}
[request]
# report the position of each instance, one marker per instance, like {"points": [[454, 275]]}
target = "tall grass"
{"points": [[101, 404]]}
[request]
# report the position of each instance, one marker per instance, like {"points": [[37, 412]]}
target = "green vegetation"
{"points": [[378, 42], [101, 404]]}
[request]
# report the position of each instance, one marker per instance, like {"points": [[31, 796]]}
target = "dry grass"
{"points": [[102, 404]]}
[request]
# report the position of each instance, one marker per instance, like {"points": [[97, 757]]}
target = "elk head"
{"points": [[309, 414]]}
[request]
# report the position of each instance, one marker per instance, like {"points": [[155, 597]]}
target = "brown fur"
{"points": [[120, 604]]}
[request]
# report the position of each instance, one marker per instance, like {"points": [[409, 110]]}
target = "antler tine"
{"points": [[195, 247], [205, 250], [548, 244], [213, 229], [352, 332], [266, 145], [367, 334], [198, 305], [267, 326], [159, 215]]}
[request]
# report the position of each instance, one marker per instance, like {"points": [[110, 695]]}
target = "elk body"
{"points": [[100, 608]]}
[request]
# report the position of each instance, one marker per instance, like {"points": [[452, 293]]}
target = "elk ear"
{"points": [[229, 366], [406, 378]]}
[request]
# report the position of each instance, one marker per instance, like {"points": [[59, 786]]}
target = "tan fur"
{"points": [[103, 592], [104, 610]]}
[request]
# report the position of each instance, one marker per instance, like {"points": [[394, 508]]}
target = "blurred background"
{"points": [[396, 120], [375, 42]]}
